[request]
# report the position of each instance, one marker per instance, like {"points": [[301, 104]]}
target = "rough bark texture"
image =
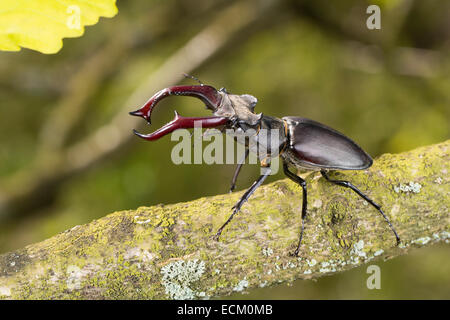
{"points": [[166, 251]]}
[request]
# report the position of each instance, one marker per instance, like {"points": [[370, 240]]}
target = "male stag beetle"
{"points": [[303, 144]]}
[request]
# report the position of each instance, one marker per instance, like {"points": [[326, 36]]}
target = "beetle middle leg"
{"points": [[362, 195], [243, 199], [302, 183]]}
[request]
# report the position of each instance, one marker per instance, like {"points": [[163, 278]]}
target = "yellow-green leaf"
{"points": [[41, 24]]}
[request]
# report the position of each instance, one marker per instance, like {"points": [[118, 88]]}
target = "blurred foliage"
{"points": [[388, 89], [41, 24]]}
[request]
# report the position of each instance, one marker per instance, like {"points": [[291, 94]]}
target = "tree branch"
{"points": [[166, 251]]}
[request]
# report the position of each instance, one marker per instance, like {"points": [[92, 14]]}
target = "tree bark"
{"points": [[166, 251]]}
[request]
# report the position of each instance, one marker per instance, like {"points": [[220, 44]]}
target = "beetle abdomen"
{"points": [[315, 145]]}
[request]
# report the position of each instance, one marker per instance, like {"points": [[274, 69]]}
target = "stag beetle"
{"points": [[303, 144]]}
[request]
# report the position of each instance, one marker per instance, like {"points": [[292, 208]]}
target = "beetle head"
{"points": [[239, 107]]}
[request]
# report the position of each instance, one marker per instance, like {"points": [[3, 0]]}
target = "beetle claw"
{"points": [[180, 122], [140, 135], [136, 113], [209, 95], [139, 113]]}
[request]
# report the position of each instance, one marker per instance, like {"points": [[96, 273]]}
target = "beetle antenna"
{"points": [[193, 78]]}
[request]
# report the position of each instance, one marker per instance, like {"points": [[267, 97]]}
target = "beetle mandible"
{"points": [[303, 143]]}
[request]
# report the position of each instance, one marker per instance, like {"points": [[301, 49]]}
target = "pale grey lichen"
{"points": [[436, 237], [411, 187], [357, 249], [132, 253], [311, 262], [178, 277], [444, 235], [5, 291], [267, 252], [289, 265], [328, 266], [74, 277], [317, 203], [357, 253], [140, 222], [354, 260], [241, 285], [137, 253], [147, 256], [422, 241], [378, 252]]}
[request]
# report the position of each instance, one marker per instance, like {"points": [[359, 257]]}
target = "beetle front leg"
{"points": [[302, 183], [238, 170], [241, 201], [362, 195]]}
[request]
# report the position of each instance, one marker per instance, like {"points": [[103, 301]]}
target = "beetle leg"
{"points": [[241, 201], [302, 183], [362, 195], [238, 169]]}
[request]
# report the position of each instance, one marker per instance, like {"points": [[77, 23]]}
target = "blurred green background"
{"points": [[68, 155]]}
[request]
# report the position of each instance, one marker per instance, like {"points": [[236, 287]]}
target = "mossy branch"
{"points": [[166, 251]]}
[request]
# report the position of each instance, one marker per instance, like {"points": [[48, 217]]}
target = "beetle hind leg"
{"points": [[302, 183], [362, 195]]}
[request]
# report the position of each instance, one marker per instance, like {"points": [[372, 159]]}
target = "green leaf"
{"points": [[41, 24]]}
